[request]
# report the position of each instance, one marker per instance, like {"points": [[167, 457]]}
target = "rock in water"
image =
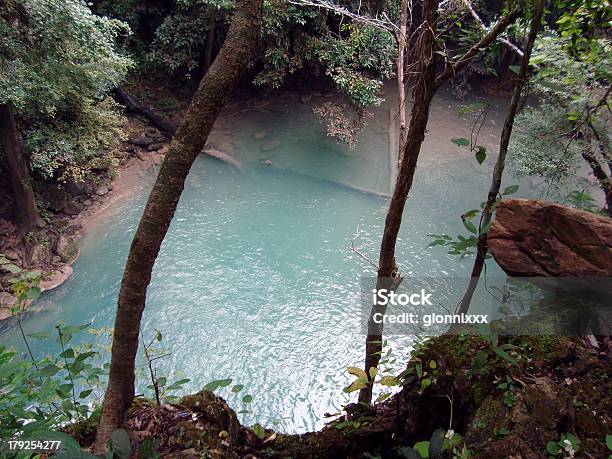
{"points": [[532, 238]]}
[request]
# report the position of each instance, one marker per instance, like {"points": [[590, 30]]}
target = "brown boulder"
{"points": [[532, 238]]}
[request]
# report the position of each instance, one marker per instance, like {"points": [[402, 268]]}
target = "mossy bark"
{"points": [[215, 90]]}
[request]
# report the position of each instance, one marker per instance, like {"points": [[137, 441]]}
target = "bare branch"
{"points": [[503, 40], [355, 236], [454, 67], [383, 24]]}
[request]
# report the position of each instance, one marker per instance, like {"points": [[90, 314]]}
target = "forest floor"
{"points": [[554, 386]]}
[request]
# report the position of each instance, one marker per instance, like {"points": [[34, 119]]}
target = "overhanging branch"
{"points": [[454, 67]]}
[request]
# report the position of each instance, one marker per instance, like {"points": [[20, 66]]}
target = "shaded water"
{"points": [[256, 280]]}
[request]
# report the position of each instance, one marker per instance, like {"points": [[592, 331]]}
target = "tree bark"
{"points": [[401, 85], [26, 211], [215, 90], [485, 219], [422, 96], [210, 43], [425, 87]]}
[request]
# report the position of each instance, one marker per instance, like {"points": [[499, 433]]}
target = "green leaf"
{"points": [[237, 388], [469, 226], [481, 154], [11, 268], [504, 355], [515, 68], [217, 383], [462, 142], [510, 190], [609, 442], [358, 384], [479, 361], [39, 335], [67, 354], [422, 448], [85, 393], [357, 372], [389, 381], [553, 448], [49, 370], [373, 372], [433, 365], [247, 398]]}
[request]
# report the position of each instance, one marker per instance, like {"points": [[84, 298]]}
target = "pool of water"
{"points": [[256, 280]]}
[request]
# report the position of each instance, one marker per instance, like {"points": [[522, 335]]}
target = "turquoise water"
{"points": [[256, 280]]}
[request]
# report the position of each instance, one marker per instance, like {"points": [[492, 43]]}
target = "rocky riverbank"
{"points": [[69, 209]]}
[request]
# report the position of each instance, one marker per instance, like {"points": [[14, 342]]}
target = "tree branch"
{"points": [[454, 67], [479, 21]]}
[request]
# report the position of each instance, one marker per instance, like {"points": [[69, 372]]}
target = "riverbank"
{"points": [[548, 389]]}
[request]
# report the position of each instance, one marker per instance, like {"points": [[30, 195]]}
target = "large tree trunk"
{"points": [[481, 248], [426, 83], [25, 203], [215, 90], [422, 96]]}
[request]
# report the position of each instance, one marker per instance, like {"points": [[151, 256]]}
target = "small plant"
{"points": [[441, 442], [234, 392], [494, 349], [508, 387], [159, 384], [567, 447]]}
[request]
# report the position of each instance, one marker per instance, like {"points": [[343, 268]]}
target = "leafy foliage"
{"points": [[57, 61]]}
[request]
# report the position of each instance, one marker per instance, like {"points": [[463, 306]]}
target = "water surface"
{"points": [[256, 280]]}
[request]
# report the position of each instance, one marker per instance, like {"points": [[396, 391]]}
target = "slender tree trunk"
{"points": [[485, 220], [401, 85], [422, 96], [25, 203], [210, 43], [425, 86], [215, 90]]}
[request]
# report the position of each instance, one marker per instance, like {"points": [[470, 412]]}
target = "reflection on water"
{"points": [[256, 280]]}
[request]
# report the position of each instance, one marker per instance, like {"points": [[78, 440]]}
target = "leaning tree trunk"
{"points": [[425, 86], [25, 203], [485, 220], [422, 96], [215, 90]]}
